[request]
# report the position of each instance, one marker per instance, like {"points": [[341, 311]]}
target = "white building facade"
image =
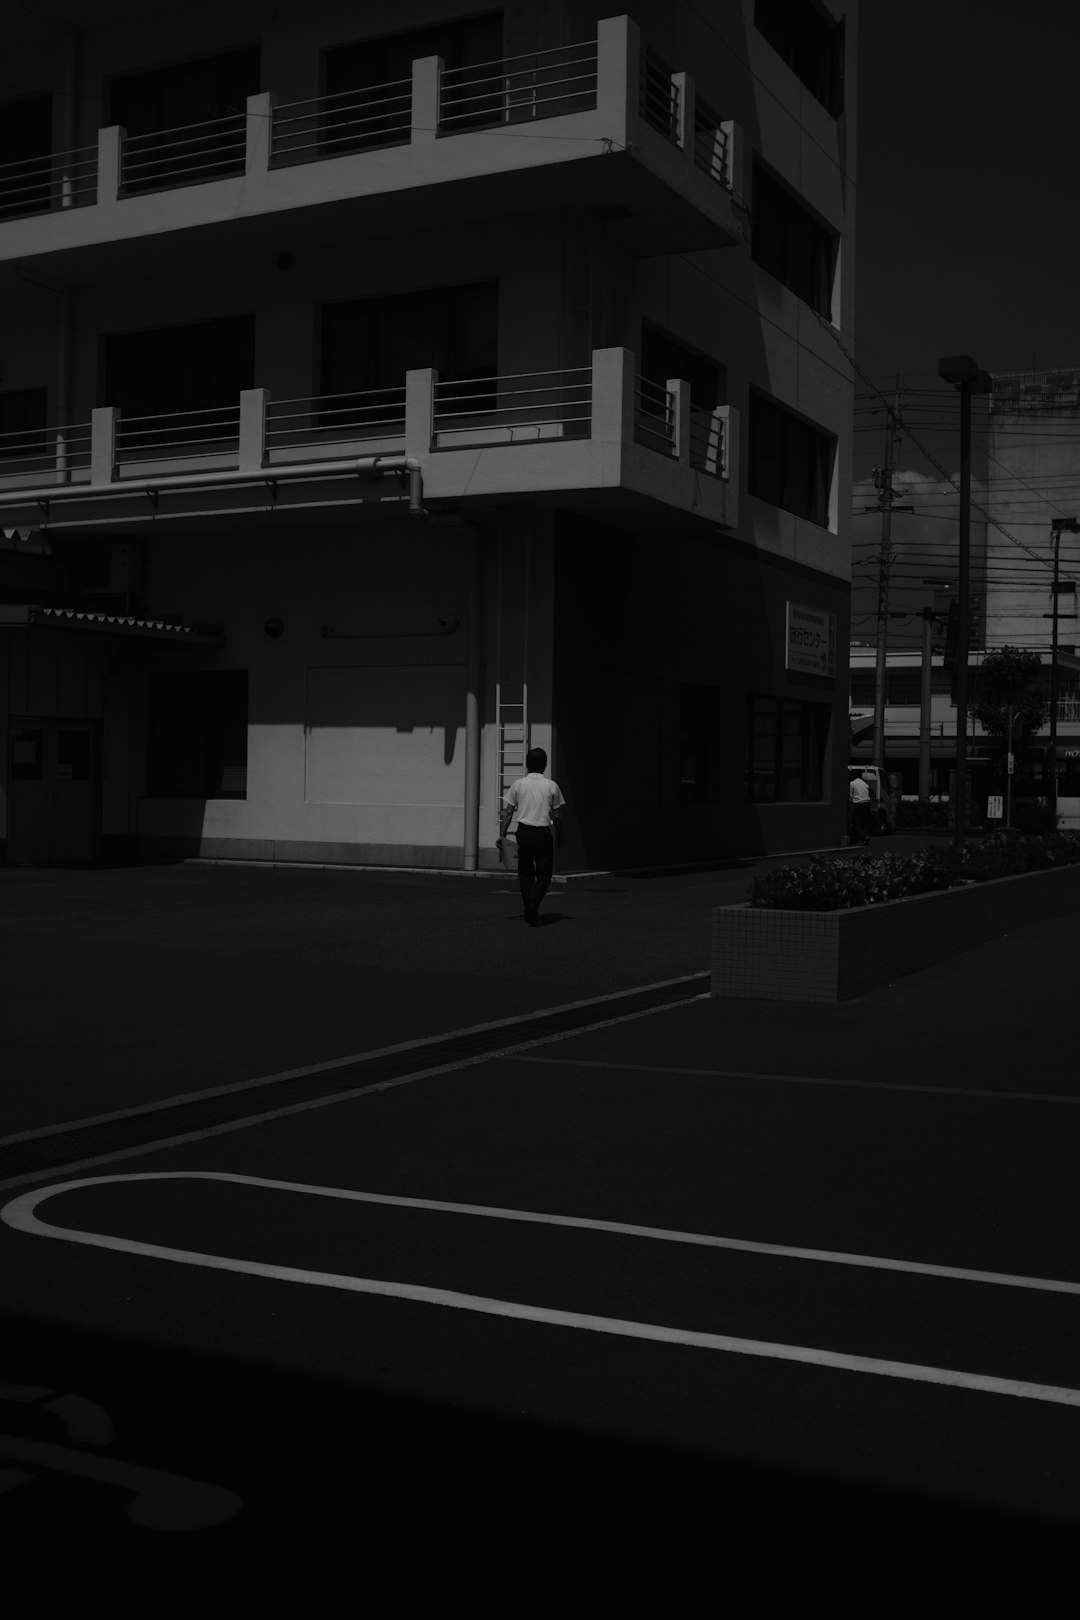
{"points": [[386, 390]]}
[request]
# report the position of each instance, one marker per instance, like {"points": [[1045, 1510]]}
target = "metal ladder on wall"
{"points": [[512, 731]]}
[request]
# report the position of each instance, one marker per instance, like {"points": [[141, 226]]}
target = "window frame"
{"points": [[805, 267], [813, 736], [810, 43], [819, 460]]}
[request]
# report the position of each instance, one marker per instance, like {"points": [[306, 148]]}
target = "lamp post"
{"points": [[961, 371], [1056, 526]]}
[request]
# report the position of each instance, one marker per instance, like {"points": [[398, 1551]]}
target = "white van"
{"points": [[884, 795]]}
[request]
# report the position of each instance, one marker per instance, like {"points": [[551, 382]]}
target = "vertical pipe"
{"points": [[1052, 794], [925, 699], [472, 705], [963, 616]]}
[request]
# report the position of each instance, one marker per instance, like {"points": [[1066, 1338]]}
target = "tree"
{"points": [[1010, 678]]}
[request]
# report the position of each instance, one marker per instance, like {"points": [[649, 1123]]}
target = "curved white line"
{"points": [[20, 1214]]}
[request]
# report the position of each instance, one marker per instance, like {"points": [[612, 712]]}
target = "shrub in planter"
{"points": [[827, 883]]}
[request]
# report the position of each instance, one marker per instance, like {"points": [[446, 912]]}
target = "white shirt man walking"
{"points": [[536, 800]]}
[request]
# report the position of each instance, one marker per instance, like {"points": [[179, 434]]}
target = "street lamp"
{"points": [[1056, 526], [961, 371]]}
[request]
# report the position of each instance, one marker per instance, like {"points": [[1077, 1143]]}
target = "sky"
{"points": [[968, 242], [967, 225]]}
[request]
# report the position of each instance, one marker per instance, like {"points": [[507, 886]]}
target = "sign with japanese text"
{"points": [[811, 640]]}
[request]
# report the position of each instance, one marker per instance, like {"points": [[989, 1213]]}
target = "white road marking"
{"points": [[21, 1214], [479, 1058], [160, 1501], [804, 1079], [354, 1058]]}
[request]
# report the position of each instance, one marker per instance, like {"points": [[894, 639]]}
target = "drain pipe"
{"points": [[471, 849], [177, 483]]}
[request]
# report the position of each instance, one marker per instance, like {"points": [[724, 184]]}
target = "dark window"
{"points": [[696, 705], [175, 370], [785, 749], [25, 152], [810, 43], [903, 686], [791, 245], [662, 358], [197, 735], [790, 461], [364, 67], [159, 109], [22, 424], [368, 346], [862, 688]]}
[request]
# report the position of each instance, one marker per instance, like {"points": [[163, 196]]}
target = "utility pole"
{"points": [[886, 505], [1056, 526]]}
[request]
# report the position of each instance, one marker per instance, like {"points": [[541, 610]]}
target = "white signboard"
{"points": [[811, 640], [994, 806]]}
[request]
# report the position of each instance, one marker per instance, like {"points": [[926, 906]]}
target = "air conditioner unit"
{"points": [[110, 568]]}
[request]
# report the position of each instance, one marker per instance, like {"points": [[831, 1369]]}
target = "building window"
{"points": [[663, 358], [696, 707], [810, 43], [22, 424], [25, 152], [790, 461], [176, 369], [785, 750], [791, 244], [197, 735], [357, 73], [185, 123], [367, 347]]}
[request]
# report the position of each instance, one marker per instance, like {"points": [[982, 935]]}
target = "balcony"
{"points": [[620, 132], [598, 439]]}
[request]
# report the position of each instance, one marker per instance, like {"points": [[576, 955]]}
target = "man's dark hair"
{"points": [[535, 759]]}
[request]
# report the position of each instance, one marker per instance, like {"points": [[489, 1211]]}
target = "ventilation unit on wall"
{"points": [[110, 568]]}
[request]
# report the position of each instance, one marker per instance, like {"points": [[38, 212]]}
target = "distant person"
{"points": [[859, 796], [535, 799]]}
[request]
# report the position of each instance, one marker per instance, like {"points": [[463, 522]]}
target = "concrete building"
{"points": [[385, 389]]}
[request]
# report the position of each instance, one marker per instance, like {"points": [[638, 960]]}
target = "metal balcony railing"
{"points": [[712, 144], [39, 185], [659, 96], [186, 156], [180, 435], [518, 89], [708, 441], [514, 409], [34, 454], [351, 121], [654, 416], [327, 421], [1068, 708]]}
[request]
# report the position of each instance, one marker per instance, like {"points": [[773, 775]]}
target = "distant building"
{"points": [[378, 404]]}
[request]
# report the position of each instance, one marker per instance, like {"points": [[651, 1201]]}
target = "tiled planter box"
{"points": [[834, 955]]}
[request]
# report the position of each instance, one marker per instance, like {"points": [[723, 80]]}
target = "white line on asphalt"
{"points": [[479, 1058], [346, 1062], [21, 1214], [804, 1079]]}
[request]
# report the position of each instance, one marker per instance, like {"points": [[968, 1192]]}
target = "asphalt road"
{"points": [[556, 1399]]}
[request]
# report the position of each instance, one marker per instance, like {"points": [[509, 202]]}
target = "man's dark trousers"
{"points": [[536, 858]]}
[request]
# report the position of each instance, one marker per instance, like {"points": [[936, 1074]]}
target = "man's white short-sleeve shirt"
{"points": [[859, 791], [534, 797]]}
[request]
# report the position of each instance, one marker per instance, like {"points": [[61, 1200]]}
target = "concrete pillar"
{"points": [[613, 396], [680, 394], [618, 77], [253, 428], [103, 422], [426, 77], [110, 144], [419, 409], [260, 118]]}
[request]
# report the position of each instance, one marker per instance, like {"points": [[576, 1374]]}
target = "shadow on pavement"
{"points": [[365, 1500]]}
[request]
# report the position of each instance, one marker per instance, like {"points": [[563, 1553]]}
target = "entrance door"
{"points": [[53, 792]]}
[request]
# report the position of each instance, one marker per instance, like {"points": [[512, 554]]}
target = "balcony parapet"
{"points": [[597, 431], [607, 98]]}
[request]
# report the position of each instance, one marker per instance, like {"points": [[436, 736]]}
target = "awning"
{"points": [[21, 616]]}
